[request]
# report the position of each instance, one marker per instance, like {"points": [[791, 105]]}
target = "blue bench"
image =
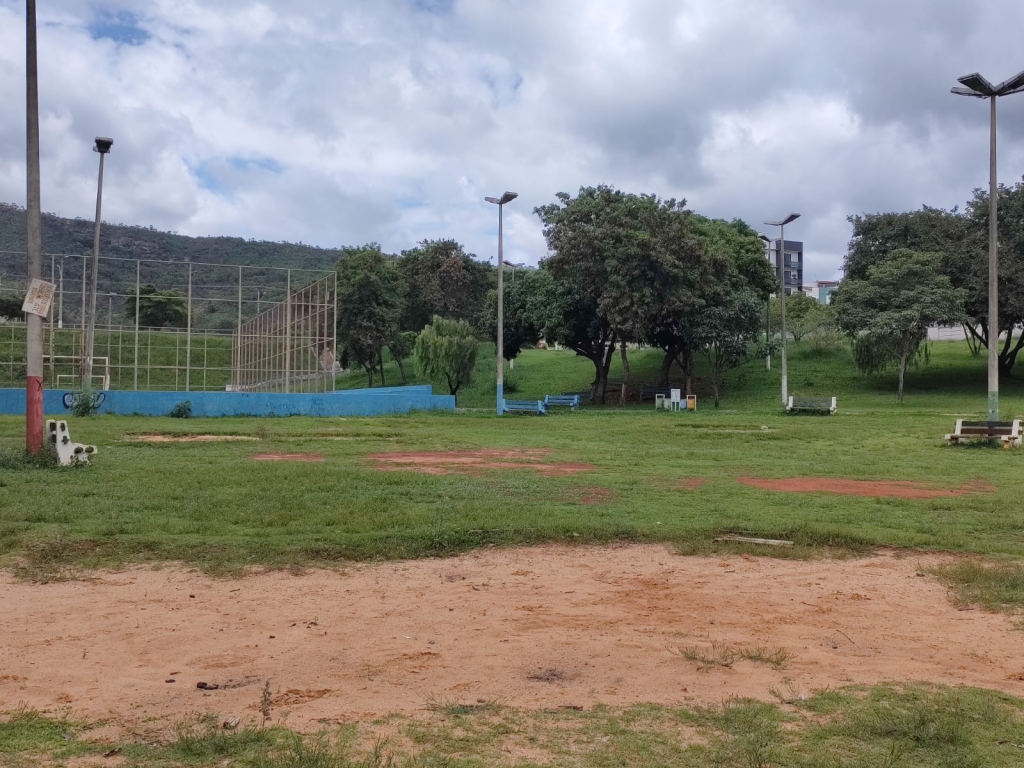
{"points": [[525, 406], [572, 401]]}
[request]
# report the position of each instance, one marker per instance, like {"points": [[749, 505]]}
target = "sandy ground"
{"points": [[539, 627]]}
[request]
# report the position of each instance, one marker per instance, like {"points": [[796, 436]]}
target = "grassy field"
{"points": [[211, 505]]}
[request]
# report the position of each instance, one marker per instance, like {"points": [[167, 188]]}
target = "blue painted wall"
{"points": [[355, 402]]}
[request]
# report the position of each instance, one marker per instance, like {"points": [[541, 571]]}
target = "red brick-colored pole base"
{"points": [[34, 414]]}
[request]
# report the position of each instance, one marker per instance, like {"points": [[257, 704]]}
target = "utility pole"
{"points": [[33, 242], [102, 146]]}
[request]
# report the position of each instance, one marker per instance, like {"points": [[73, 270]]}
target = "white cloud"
{"points": [[389, 120]]}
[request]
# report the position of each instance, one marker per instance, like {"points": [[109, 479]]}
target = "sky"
{"points": [[341, 123]]}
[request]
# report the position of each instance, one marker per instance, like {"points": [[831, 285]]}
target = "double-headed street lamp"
{"points": [[782, 294], [977, 86], [103, 145], [508, 197]]}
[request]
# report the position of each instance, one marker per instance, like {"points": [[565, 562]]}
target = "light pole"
{"points": [[782, 294], [768, 312], [508, 197], [977, 86], [33, 240], [102, 146]]}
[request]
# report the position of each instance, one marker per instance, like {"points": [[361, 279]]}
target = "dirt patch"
{"points": [[844, 487], [594, 494], [186, 438], [474, 462], [289, 457], [388, 638]]}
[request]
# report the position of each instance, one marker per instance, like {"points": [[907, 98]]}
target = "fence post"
{"points": [[288, 335], [188, 333], [135, 376]]}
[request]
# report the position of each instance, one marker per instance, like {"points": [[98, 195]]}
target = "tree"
{"points": [[369, 305], [734, 261], [968, 269], [158, 309], [446, 350], [802, 316], [10, 309], [888, 313], [442, 279], [724, 334], [620, 261], [523, 320], [401, 345]]}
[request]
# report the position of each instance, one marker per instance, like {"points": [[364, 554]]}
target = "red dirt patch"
{"points": [[289, 457], [473, 462], [537, 628], [186, 438], [594, 495], [844, 487]]}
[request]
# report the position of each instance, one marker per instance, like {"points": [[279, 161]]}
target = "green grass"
{"points": [[210, 505], [913, 726]]}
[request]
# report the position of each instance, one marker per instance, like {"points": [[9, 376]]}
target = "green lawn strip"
{"points": [[912, 726], [211, 505], [996, 586]]}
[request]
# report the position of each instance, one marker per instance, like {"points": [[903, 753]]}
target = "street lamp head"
{"points": [[978, 84], [764, 237], [508, 197], [788, 220], [1012, 85], [103, 145]]}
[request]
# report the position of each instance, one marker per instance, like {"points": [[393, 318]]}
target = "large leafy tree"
{"points": [[620, 261], [961, 241], [369, 305], [522, 311], [158, 309], [446, 351], [442, 279], [733, 262], [888, 312], [968, 269]]}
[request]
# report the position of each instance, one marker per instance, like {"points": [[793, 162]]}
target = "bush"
{"points": [[446, 351], [86, 403], [182, 410]]}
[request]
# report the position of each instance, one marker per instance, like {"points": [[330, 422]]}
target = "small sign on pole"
{"points": [[39, 298]]}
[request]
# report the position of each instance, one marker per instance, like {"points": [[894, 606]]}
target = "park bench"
{"points": [[811, 404], [653, 392], [68, 453], [525, 406], [1008, 432], [572, 401]]}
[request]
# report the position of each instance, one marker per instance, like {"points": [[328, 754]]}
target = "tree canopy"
{"points": [[446, 351], [888, 312], [442, 279]]}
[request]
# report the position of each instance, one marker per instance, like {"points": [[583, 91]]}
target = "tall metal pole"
{"points": [[501, 315], [782, 310], [33, 241], [90, 329], [993, 277], [60, 297], [135, 371]]}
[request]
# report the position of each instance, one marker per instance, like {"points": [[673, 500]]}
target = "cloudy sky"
{"points": [[338, 123]]}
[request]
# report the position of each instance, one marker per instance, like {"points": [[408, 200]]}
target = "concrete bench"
{"points": [[1007, 432], [811, 405], [525, 406], [571, 401], [68, 453]]}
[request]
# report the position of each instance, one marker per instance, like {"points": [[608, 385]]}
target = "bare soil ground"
{"points": [[844, 487], [546, 626], [472, 462], [188, 438]]}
